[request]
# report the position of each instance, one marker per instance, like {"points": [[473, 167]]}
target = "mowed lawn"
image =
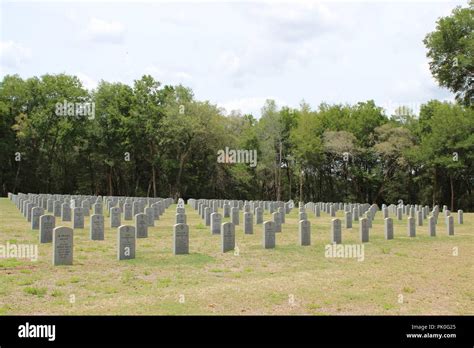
{"points": [[419, 275]]}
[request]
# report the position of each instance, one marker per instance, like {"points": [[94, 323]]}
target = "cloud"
{"points": [[169, 77], [102, 31], [87, 81], [251, 105], [287, 37], [13, 55], [228, 63], [295, 22]]}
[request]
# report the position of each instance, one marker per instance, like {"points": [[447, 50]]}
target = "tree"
{"points": [[448, 150], [451, 53]]}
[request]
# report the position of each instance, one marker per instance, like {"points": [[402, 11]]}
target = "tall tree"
{"points": [[451, 52]]}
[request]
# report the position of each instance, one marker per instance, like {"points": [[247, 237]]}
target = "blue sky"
{"points": [[234, 54]]}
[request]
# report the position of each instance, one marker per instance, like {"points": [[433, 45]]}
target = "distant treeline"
{"points": [[157, 140]]}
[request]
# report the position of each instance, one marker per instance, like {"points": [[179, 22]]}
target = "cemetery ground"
{"points": [[421, 275]]}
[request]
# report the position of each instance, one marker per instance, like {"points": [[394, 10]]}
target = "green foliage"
{"points": [[451, 52], [155, 140]]}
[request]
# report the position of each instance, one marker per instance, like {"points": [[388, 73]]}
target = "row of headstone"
{"points": [[63, 205], [60, 206], [127, 233], [336, 232]]}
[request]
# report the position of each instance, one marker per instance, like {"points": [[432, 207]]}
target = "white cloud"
{"points": [[168, 77], [294, 22], [228, 63], [13, 55], [87, 81], [252, 105], [183, 75], [102, 31]]}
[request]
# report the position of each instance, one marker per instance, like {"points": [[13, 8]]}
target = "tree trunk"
{"points": [[16, 176], [154, 179], [301, 186], [109, 179], [148, 189], [279, 173], [289, 179], [434, 186], [452, 192], [182, 160]]}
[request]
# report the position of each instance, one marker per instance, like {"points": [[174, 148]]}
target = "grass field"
{"points": [[419, 275]]}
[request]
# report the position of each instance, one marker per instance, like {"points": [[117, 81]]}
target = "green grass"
{"points": [[423, 270], [40, 292]]}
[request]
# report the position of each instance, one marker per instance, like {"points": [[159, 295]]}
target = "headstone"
{"points": [[78, 218], [450, 225], [388, 228], [302, 216], [36, 213], [355, 213], [336, 235], [234, 216], [50, 205], [126, 242], [268, 234], [399, 213], [411, 226], [460, 217], [277, 221], [150, 215], [304, 232], [317, 211], [226, 210], [227, 236], [207, 216], [157, 211], [115, 217], [65, 212], [127, 212], [57, 208], [419, 218], [431, 226], [216, 220], [46, 225], [248, 223], [180, 219], [281, 211], [348, 218], [97, 209], [97, 227], [364, 230], [368, 216], [63, 242], [258, 215], [86, 206], [141, 225], [180, 239], [136, 208]]}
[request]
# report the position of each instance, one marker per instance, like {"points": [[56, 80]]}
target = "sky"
{"points": [[235, 54]]}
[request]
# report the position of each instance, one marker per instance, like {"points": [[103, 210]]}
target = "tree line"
{"points": [[156, 140]]}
